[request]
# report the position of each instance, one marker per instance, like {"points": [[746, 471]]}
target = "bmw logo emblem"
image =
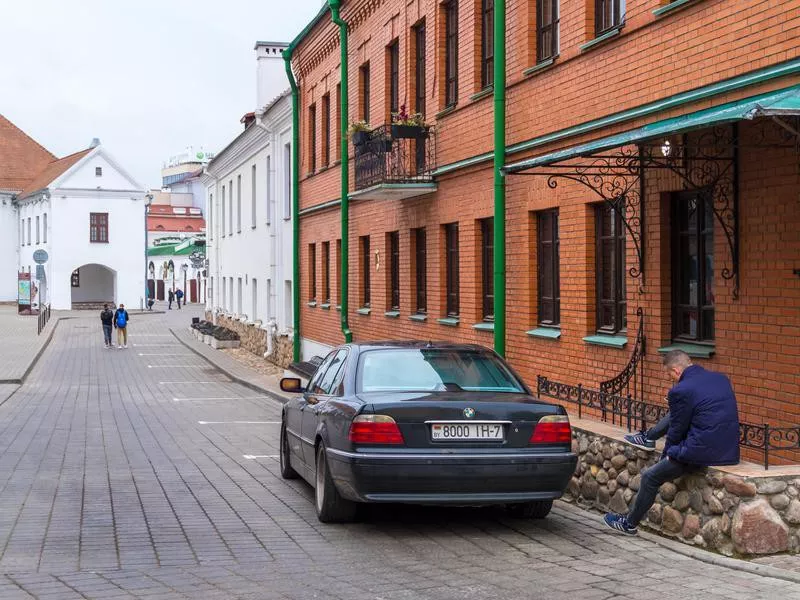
{"points": [[469, 412]]}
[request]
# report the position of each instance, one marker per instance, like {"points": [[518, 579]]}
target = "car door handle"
{"points": [[312, 400]]}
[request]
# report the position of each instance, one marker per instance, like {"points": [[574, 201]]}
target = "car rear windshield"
{"points": [[434, 370]]}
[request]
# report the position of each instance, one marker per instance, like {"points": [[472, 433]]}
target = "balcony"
{"points": [[394, 163]]}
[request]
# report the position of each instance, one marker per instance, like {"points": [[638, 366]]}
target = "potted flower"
{"points": [[405, 125], [359, 132]]}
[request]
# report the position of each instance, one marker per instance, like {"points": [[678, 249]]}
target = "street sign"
{"points": [[40, 257], [40, 272]]}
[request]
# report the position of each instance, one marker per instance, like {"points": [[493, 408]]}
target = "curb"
{"points": [[21, 380], [699, 554], [248, 384]]}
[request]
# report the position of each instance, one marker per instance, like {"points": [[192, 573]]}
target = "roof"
{"points": [[21, 157], [782, 102], [52, 172]]}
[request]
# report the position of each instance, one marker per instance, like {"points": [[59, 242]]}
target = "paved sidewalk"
{"points": [[148, 473], [234, 369], [20, 343]]}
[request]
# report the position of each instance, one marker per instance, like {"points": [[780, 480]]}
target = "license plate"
{"points": [[466, 431]]}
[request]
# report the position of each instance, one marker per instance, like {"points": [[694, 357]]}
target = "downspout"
{"points": [[287, 58], [499, 179], [335, 5]]}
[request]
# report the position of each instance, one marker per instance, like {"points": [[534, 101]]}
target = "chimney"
{"points": [[95, 143], [270, 72]]}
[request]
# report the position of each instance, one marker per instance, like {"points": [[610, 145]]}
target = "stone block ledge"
{"points": [[739, 510]]}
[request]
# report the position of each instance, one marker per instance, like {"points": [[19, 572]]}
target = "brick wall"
{"points": [[653, 58]]}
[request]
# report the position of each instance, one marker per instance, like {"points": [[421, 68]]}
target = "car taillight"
{"points": [[375, 429], [552, 429]]}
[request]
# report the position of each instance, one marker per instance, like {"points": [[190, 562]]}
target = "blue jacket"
{"points": [[704, 420]]}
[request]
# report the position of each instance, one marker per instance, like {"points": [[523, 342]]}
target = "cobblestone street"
{"points": [[147, 473]]}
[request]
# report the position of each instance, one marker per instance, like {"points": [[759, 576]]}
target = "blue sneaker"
{"points": [[619, 523], [640, 441]]}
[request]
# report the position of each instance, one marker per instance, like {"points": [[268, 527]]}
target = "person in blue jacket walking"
{"points": [[703, 431]]}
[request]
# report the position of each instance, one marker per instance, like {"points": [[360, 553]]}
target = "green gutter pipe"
{"points": [[287, 58], [499, 179], [335, 5]]}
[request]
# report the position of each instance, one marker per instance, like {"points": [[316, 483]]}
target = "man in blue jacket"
{"points": [[703, 431]]}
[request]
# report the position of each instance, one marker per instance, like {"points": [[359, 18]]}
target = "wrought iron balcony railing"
{"points": [[394, 154]]}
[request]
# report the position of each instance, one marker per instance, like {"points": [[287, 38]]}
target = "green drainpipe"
{"points": [[287, 57], [499, 179], [335, 5]]}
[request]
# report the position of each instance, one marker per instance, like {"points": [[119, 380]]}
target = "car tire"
{"points": [[537, 509], [287, 472], [331, 507]]}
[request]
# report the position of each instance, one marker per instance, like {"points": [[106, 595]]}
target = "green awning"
{"points": [[783, 103]]}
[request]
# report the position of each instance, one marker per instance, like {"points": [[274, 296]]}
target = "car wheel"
{"points": [[537, 509], [331, 507], [287, 472]]}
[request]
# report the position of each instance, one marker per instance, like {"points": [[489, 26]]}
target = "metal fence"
{"points": [[383, 157], [633, 414], [44, 317]]}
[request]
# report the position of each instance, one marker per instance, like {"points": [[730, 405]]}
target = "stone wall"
{"points": [[713, 509], [254, 339]]}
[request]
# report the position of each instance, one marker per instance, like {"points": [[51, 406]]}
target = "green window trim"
{"points": [[693, 350], [312, 304], [364, 311], [600, 39], [610, 341], [418, 317], [392, 314], [325, 306], [484, 326], [449, 321], [485, 92], [546, 333], [540, 67], [668, 9], [338, 308]]}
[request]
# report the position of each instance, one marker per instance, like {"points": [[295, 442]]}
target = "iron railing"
{"points": [[44, 317], [636, 414], [383, 156]]}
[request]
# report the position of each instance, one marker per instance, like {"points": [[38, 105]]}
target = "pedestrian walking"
{"points": [[702, 431], [121, 319], [171, 299], [179, 297], [107, 320]]}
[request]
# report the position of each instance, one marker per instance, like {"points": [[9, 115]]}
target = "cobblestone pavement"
{"points": [[20, 342], [141, 473]]}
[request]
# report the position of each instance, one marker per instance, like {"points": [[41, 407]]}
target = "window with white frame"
{"points": [[253, 197], [287, 181]]}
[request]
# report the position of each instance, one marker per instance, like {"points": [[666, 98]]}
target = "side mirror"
{"points": [[292, 385]]}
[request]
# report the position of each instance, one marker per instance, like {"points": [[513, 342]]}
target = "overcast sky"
{"points": [[148, 77]]}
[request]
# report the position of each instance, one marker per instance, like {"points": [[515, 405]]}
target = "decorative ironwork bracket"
{"points": [[705, 162], [619, 181]]}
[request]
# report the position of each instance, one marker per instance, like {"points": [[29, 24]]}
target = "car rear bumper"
{"points": [[431, 478]]}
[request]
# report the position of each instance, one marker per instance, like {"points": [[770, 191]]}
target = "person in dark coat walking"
{"points": [[107, 319], [179, 296], [171, 299], [703, 431]]}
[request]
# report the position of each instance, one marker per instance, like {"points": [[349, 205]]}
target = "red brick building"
{"points": [[653, 187]]}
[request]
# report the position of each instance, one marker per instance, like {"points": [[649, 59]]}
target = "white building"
{"points": [[88, 214], [248, 200]]}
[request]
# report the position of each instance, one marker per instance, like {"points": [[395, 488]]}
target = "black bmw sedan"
{"points": [[423, 423]]}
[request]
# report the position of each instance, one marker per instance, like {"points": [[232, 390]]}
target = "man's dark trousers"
{"points": [[107, 333], [652, 479]]}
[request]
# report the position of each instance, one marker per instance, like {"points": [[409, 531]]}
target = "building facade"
{"points": [[650, 179], [248, 195], [83, 210]]}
